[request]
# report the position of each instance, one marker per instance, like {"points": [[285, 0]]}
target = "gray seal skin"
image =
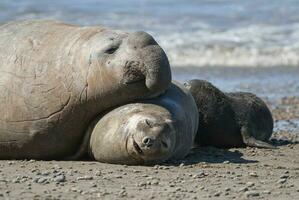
{"points": [[146, 132], [230, 119], [55, 78]]}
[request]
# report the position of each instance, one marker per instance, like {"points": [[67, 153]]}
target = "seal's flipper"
{"points": [[252, 142]]}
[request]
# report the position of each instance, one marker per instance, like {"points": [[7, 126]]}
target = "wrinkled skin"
{"points": [[148, 132], [56, 78], [230, 119]]}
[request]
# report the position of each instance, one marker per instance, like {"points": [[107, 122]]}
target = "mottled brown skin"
{"points": [[230, 119], [147, 132], [55, 78]]}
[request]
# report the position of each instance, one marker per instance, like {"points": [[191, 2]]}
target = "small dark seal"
{"points": [[236, 119]]}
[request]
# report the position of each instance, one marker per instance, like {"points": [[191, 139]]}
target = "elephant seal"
{"points": [[147, 132], [55, 78], [230, 119]]}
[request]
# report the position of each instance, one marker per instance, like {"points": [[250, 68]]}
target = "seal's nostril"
{"points": [[147, 141]]}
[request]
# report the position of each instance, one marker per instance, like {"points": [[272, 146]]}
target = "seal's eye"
{"points": [[111, 50], [149, 123]]}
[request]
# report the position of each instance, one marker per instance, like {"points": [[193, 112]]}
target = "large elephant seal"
{"points": [[56, 78], [230, 119], [147, 132]]}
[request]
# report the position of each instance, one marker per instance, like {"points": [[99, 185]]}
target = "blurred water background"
{"points": [[243, 33]]}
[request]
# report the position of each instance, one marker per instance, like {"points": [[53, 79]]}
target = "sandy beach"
{"points": [[207, 173]]}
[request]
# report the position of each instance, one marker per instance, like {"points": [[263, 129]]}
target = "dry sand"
{"points": [[207, 173]]}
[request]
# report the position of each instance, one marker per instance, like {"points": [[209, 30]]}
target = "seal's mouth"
{"points": [[136, 147], [134, 151]]}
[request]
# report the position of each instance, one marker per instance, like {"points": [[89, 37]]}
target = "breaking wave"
{"points": [[256, 33]]}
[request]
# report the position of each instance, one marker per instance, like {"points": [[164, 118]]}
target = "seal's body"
{"points": [[55, 78], [146, 132], [230, 119]]}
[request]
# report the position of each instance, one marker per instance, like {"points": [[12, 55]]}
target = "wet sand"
{"points": [[207, 173]]}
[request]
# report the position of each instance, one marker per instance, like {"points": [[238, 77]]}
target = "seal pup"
{"points": [[147, 132], [230, 119], [55, 78]]}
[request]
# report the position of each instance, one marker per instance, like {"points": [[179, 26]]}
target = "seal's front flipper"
{"points": [[250, 141]]}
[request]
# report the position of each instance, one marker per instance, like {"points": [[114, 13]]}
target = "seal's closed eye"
{"points": [[149, 123], [111, 50]]}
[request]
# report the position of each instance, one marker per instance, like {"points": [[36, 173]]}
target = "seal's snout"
{"points": [[149, 63], [151, 146], [140, 39], [148, 142], [152, 139], [132, 73]]}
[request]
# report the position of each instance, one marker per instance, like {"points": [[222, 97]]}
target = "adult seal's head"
{"points": [[132, 60], [133, 134]]}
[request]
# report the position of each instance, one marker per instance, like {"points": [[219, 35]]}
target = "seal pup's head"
{"points": [[150, 137], [134, 134]]}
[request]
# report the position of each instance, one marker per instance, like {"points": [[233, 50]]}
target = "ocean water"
{"points": [[243, 33]]}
